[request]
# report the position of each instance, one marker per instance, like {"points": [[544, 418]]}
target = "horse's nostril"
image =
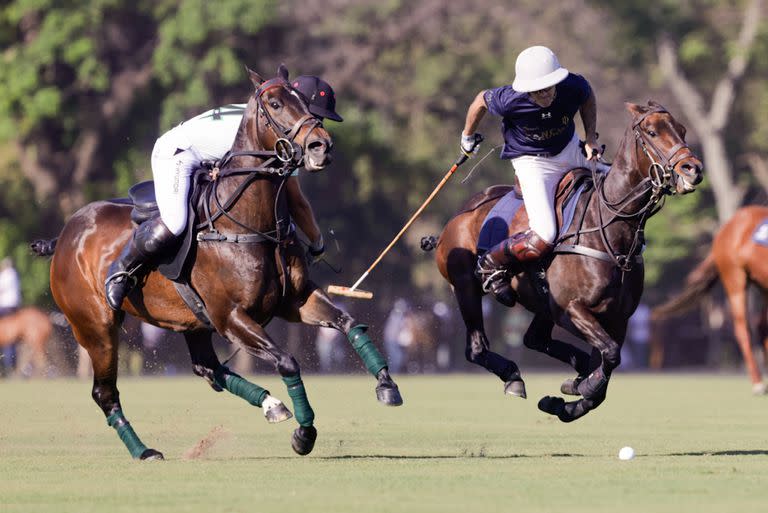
{"points": [[317, 147]]}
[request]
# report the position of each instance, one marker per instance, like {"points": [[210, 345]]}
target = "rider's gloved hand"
{"points": [[470, 144], [315, 251]]}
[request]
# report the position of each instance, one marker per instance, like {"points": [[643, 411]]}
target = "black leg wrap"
{"points": [[207, 374], [594, 385]]}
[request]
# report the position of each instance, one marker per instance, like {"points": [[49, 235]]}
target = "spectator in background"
{"points": [[634, 353], [10, 301], [393, 333], [330, 349]]}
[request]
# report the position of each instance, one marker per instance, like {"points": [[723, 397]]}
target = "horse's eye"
{"points": [[651, 133], [274, 104]]}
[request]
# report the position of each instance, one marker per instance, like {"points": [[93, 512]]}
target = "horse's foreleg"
{"points": [[469, 296], [594, 385], [206, 364], [102, 349], [247, 333], [539, 338], [317, 309], [735, 284]]}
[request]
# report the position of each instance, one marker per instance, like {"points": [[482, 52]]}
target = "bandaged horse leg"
{"points": [[241, 329], [569, 411], [105, 393], [206, 364], [596, 382], [469, 296], [318, 310], [539, 338]]}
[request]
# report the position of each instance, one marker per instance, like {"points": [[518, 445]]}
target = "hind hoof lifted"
{"points": [[151, 455], [303, 440], [277, 414], [389, 395], [515, 388]]}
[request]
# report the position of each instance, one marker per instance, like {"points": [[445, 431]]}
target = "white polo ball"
{"points": [[626, 453]]}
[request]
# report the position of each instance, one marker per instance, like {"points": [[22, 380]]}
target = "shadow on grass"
{"points": [[753, 452]]}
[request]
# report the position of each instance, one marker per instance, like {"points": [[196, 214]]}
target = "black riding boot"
{"points": [[496, 267], [149, 240]]}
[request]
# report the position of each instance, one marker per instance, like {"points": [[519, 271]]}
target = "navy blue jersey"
{"points": [[529, 129]]}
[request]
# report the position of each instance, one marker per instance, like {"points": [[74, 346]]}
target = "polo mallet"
{"points": [[364, 294]]}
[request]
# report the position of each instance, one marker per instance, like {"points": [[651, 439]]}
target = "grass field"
{"points": [[457, 445]]}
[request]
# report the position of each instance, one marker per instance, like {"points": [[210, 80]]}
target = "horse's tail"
{"points": [[698, 282], [44, 247]]}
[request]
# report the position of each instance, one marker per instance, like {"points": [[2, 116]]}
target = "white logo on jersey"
{"points": [[546, 115]]}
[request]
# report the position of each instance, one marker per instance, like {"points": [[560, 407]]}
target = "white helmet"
{"points": [[537, 68]]}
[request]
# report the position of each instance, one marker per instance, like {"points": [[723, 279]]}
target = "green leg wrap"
{"points": [[301, 408], [362, 343], [237, 385], [126, 433]]}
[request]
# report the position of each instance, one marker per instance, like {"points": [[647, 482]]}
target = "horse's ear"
{"points": [[636, 110], [656, 105], [255, 77], [282, 71]]}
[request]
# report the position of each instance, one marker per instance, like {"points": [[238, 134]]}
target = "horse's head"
{"points": [[660, 139], [278, 118]]}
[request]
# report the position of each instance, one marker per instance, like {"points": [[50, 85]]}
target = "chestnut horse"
{"points": [[254, 269], [594, 284], [31, 327], [736, 260]]}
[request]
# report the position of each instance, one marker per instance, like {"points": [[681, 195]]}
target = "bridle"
{"points": [[660, 182], [280, 162]]}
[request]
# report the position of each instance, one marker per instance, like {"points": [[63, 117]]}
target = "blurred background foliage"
{"points": [[88, 85]]}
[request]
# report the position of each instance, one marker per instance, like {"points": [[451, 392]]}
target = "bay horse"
{"points": [[32, 328], [247, 269], [594, 283], [736, 260]]}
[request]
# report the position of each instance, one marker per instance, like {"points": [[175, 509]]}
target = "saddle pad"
{"points": [[495, 227], [760, 235]]}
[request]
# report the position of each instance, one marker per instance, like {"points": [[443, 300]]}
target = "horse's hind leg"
{"points": [[206, 364], [469, 296], [318, 310], [244, 331], [539, 338], [735, 284], [101, 345]]}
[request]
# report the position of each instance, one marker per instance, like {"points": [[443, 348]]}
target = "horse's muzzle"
{"points": [[318, 154], [690, 175]]}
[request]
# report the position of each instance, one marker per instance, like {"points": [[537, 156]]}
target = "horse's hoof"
{"points": [[759, 388], [571, 386], [150, 455], [515, 388], [555, 406], [389, 395], [303, 440], [278, 413]]}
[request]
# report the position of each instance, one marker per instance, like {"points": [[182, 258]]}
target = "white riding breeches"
{"points": [[174, 159], [538, 178]]}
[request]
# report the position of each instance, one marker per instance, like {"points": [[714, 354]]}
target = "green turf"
{"points": [[457, 445]]}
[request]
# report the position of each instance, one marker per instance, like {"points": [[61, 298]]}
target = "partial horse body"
{"points": [[736, 260], [593, 286], [32, 328], [258, 272]]}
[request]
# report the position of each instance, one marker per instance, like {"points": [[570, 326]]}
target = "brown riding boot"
{"points": [[501, 262]]}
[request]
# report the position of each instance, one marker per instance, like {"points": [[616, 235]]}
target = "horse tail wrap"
{"points": [[44, 247], [698, 282]]}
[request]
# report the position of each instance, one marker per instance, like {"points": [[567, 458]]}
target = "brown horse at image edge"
{"points": [[736, 260], [594, 279], [247, 267]]}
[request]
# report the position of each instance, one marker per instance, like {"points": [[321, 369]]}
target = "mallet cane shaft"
{"points": [[352, 291]]}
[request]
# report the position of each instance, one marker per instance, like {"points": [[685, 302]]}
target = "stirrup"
{"points": [[491, 277], [120, 276]]}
